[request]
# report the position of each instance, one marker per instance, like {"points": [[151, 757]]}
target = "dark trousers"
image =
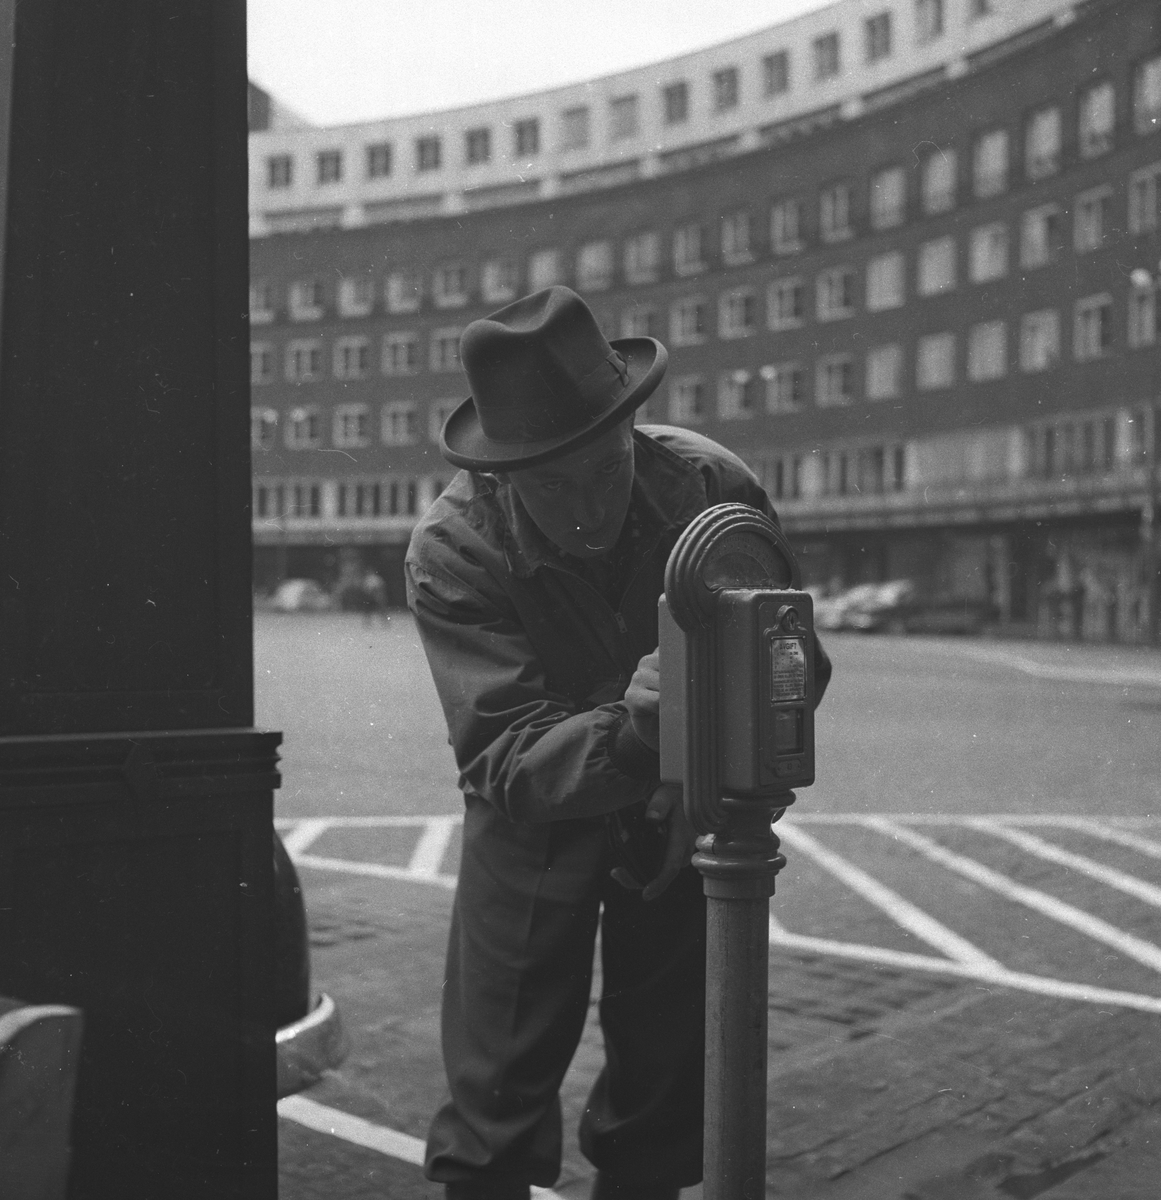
{"points": [[519, 970]]}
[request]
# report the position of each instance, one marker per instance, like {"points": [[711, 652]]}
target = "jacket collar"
{"points": [[668, 492]]}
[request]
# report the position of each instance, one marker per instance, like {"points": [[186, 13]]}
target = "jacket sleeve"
{"points": [[532, 753]]}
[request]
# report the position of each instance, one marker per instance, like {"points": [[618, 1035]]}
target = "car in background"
{"points": [[898, 606], [300, 595]]}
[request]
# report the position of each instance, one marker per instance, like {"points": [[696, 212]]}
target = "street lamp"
{"points": [[1145, 280]]}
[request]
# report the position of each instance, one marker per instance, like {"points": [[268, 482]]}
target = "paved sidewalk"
{"points": [[885, 1084]]}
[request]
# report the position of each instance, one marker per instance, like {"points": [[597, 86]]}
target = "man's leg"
{"points": [[515, 998], [643, 1124]]}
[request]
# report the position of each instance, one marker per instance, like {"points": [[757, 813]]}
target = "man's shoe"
{"points": [[609, 1187]]}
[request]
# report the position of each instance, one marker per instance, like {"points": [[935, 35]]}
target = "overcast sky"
{"points": [[336, 61]]}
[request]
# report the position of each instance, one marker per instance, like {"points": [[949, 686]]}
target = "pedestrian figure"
{"points": [[534, 580], [374, 596]]}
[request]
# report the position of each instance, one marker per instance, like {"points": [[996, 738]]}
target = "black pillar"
{"points": [[135, 796]]}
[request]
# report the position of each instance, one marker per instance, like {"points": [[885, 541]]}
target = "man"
{"points": [[534, 580]]}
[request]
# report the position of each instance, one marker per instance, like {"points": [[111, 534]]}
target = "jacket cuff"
{"points": [[629, 754]]}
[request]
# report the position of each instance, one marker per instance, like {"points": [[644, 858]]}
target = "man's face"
{"points": [[579, 502]]}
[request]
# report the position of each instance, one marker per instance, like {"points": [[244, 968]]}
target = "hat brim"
{"points": [[464, 444]]}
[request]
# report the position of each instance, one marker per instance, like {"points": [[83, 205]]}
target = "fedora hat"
{"points": [[544, 382]]}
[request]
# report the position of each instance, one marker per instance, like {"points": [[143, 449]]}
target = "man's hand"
{"points": [[665, 809], [641, 698]]}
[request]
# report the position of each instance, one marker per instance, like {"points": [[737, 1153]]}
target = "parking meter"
{"points": [[736, 640]]}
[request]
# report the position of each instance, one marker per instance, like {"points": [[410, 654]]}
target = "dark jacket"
{"points": [[530, 660]]}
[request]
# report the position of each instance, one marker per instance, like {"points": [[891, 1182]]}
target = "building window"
{"points": [[574, 128], [687, 322], [725, 89], [330, 166], [623, 117], [937, 182], [1042, 143], [736, 313], [834, 380], [1143, 192], [498, 280], [825, 50], [1040, 236], [1097, 115], [356, 296], [404, 290], [303, 360], [450, 286], [477, 146], [305, 500], [1142, 316], [437, 417], [352, 358], [1039, 340], [642, 257], [987, 354], [362, 498], [279, 171], [261, 362], [990, 164], [928, 20], [1091, 219], [352, 423], [835, 293], [445, 349], [834, 212], [594, 266], [399, 423], [639, 321], [526, 137], [303, 429], [261, 304], [935, 361], [306, 300], [888, 195], [675, 98], [379, 160], [1092, 328], [687, 401], [776, 73], [1147, 96], [884, 371], [428, 153], [786, 304], [736, 238], [263, 428], [687, 256], [885, 281], [936, 267], [400, 354], [785, 387], [738, 395], [269, 500], [786, 226], [988, 257], [877, 36], [543, 269]]}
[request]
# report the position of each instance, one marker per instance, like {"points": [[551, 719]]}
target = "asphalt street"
{"points": [[981, 853]]}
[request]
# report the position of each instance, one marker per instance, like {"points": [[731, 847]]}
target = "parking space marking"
{"points": [[322, 1118], [304, 834], [427, 857]]}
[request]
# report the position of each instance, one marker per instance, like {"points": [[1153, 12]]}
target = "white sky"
{"points": [[337, 61]]}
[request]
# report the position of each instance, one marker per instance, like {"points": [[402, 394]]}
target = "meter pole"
{"points": [[738, 866]]}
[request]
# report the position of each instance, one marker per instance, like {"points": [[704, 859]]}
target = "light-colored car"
{"points": [[300, 595]]}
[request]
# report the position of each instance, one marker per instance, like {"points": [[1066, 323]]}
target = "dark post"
{"points": [[136, 875], [737, 729]]}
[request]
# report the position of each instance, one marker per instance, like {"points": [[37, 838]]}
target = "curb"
{"points": [[307, 1048]]}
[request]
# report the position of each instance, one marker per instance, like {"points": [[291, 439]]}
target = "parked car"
{"points": [[897, 606], [300, 595]]}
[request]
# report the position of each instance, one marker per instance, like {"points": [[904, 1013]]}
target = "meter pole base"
{"points": [[738, 868]]}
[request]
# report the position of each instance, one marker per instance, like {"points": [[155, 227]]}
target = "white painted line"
{"points": [[1115, 677], [433, 842], [303, 834], [1109, 833], [902, 912], [376, 870], [322, 1118], [804, 817], [1066, 914], [1122, 881], [1020, 980], [385, 822]]}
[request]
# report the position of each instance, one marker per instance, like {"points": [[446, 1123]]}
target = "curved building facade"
{"points": [[904, 255]]}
